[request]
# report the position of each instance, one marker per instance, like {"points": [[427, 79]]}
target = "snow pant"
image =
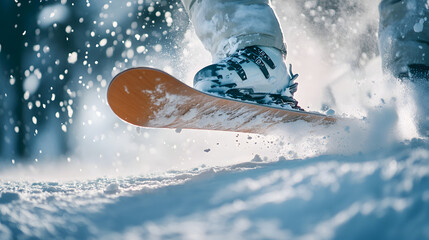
{"points": [[225, 26], [403, 34]]}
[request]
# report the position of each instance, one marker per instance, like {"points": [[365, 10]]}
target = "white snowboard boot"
{"points": [[256, 74]]}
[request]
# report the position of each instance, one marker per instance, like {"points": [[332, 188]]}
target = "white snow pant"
{"points": [[404, 34], [225, 26]]}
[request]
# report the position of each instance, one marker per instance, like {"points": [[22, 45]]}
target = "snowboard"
{"points": [[151, 98]]}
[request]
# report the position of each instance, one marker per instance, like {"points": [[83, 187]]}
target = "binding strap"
{"points": [[258, 61], [255, 55], [262, 55], [237, 67]]}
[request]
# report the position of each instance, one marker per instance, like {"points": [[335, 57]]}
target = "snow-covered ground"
{"points": [[366, 178], [377, 195]]}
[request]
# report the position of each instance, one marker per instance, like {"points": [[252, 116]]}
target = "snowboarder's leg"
{"points": [[246, 42], [404, 37], [225, 26], [404, 48]]}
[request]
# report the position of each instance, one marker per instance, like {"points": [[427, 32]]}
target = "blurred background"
{"points": [[56, 53], [57, 58]]}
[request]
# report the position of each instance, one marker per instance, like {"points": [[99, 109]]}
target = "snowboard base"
{"points": [[148, 97]]}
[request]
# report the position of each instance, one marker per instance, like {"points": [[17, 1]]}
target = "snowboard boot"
{"points": [[252, 74]]}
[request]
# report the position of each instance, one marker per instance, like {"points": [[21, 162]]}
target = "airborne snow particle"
{"points": [[128, 44], [46, 49], [53, 14], [34, 119], [158, 48], [109, 51], [418, 27], [207, 150], [103, 42], [12, 81], [134, 25], [141, 49], [130, 54], [69, 29], [70, 111], [72, 59], [26, 95]]}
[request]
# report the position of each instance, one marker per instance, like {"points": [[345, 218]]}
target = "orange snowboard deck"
{"points": [[151, 98]]}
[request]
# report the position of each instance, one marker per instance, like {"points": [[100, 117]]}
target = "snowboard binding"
{"points": [[284, 100], [263, 98]]}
